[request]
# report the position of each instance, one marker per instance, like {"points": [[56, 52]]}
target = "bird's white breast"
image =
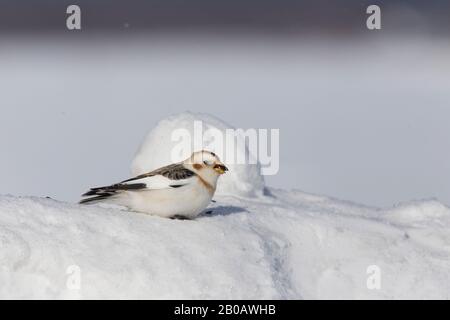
{"points": [[188, 200]]}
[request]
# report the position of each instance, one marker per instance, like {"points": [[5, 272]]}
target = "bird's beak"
{"points": [[220, 168]]}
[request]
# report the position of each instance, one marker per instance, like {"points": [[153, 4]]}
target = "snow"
{"points": [[159, 148], [289, 245]]}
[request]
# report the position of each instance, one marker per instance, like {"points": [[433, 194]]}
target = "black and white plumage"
{"points": [[181, 189]]}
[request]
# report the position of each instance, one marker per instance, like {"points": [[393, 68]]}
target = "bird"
{"points": [[178, 191]]}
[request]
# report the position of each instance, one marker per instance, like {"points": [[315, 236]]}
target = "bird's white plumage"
{"points": [[159, 182], [187, 201]]}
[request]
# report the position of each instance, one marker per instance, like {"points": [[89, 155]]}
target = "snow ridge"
{"points": [[288, 246]]}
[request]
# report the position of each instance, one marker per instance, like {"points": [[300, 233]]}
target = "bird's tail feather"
{"points": [[102, 193], [94, 199], [99, 194]]}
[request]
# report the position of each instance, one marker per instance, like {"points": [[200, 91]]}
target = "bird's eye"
{"points": [[207, 163]]}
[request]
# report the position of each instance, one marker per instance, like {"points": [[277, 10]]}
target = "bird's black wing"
{"points": [[174, 171]]}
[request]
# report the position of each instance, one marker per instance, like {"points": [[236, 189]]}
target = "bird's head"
{"points": [[205, 163]]}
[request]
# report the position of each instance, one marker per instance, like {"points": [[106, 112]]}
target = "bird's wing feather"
{"points": [[171, 176], [174, 171], [109, 190], [158, 182]]}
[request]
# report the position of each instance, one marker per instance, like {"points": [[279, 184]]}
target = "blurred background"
{"points": [[363, 114]]}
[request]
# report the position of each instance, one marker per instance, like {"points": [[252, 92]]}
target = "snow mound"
{"points": [[289, 246], [159, 149], [419, 213]]}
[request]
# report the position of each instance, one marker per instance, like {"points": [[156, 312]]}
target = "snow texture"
{"points": [[289, 245], [160, 148]]}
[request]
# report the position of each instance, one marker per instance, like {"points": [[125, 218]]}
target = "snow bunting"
{"points": [[180, 190]]}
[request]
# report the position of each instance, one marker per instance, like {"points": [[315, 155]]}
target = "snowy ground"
{"points": [[286, 246]]}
